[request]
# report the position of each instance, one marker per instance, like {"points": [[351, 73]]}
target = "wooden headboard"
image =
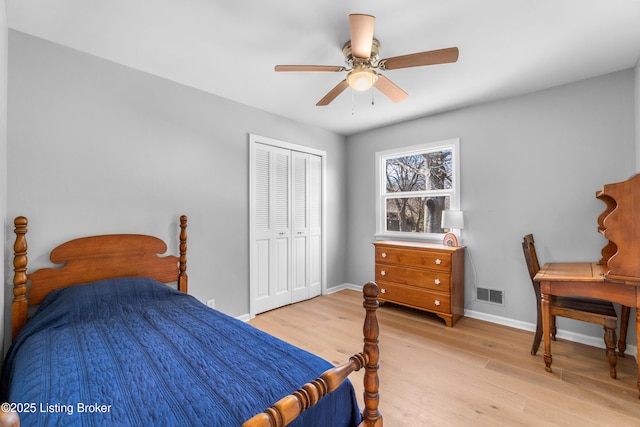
{"points": [[89, 259]]}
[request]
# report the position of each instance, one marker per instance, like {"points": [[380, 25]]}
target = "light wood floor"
{"points": [[474, 374]]}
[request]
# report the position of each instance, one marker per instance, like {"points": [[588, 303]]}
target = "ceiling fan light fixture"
{"points": [[362, 79]]}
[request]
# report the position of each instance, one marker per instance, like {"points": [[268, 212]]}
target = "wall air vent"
{"points": [[494, 296]]}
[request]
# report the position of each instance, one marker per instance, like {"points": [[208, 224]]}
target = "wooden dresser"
{"points": [[425, 276]]}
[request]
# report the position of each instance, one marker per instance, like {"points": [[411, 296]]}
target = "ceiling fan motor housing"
{"points": [[371, 61]]}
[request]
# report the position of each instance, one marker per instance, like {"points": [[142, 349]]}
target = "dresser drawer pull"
{"points": [[437, 281], [437, 303], [383, 273], [438, 261], [383, 291], [384, 255]]}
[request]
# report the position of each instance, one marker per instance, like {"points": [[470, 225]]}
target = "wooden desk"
{"points": [[583, 279]]}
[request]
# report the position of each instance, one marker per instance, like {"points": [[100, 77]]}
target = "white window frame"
{"points": [[382, 195]]}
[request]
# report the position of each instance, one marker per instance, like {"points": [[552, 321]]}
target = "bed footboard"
{"points": [[290, 407]]}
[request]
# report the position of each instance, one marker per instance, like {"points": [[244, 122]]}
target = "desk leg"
{"points": [[624, 325], [546, 325], [638, 333]]}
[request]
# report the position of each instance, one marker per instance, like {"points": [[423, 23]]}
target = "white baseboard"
{"points": [[244, 317], [342, 287], [632, 350]]}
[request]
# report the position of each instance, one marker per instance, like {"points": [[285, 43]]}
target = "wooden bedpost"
{"points": [[9, 419], [371, 416], [289, 407], [20, 301], [182, 276]]}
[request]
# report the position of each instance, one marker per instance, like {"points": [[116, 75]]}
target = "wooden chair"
{"points": [[590, 310]]}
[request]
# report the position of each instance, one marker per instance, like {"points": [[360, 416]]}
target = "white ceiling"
{"points": [[229, 48]]}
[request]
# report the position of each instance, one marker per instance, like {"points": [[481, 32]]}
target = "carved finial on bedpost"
{"points": [[20, 302], [182, 275], [371, 415]]}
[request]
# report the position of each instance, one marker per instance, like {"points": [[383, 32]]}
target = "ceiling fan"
{"points": [[361, 57]]}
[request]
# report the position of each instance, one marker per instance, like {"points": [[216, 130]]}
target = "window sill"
{"points": [[414, 237]]}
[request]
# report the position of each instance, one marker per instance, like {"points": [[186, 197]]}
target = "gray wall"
{"points": [[529, 164], [96, 147]]}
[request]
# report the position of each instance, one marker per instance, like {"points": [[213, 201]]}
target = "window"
{"points": [[414, 185]]}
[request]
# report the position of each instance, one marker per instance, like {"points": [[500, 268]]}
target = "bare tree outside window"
{"points": [[428, 173]]}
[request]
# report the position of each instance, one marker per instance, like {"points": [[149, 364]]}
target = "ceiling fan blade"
{"points": [[361, 31], [333, 93], [309, 68], [390, 89], [432, 57]]}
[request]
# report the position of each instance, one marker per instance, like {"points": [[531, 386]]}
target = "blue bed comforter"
{"points": [[133, 352]]}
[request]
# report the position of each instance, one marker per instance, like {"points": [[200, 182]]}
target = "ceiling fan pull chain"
{"points": [[373, 100], [353, 107]]}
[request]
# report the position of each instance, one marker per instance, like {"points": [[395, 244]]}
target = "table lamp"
{"points": [[452, 220]]}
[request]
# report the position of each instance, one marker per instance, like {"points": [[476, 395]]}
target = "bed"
{"points": [[117, 340]]}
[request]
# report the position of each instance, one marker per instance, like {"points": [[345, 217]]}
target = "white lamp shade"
{"points": [[452, 220], [362, 79]]}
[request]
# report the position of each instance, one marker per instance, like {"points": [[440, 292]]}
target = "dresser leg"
{"points": [[448, 320]]}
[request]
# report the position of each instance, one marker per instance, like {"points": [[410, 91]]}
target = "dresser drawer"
{"points": [[433, 260], [428, 279], [415, 297]]}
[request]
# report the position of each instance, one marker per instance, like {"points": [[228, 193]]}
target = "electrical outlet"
{"points": [[211, 303]]}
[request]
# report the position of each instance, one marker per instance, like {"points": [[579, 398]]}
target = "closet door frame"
{"points": [[257, 139]]}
